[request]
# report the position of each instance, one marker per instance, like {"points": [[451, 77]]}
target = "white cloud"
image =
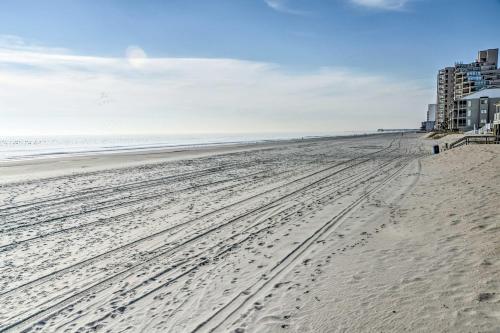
{"points": [[282, 6], [382, 4], [46, 92]]}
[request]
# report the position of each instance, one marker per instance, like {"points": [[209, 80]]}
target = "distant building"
{"points": [[431, 112], [454, 83], [430, 126], [430, 123], [480, 108], [445, 86]]}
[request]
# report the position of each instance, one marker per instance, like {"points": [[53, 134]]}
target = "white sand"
{"points": [[429, 261], [354, 234]]}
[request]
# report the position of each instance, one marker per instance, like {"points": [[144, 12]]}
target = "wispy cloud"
{"points": [[17, 43], [382, 4], [283, 7], [47, 92]]}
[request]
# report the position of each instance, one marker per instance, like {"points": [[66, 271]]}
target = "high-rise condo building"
{"points": [[445, 86], [454, 83]]}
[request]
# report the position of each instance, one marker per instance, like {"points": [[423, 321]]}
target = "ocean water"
{"points": [[14, 148]]}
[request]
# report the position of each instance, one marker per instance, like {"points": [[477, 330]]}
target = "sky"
{"points": [[230, 66]]}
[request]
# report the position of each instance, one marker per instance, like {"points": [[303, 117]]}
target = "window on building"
{"points": [[484, 101], [469, 103], [469, 112]]}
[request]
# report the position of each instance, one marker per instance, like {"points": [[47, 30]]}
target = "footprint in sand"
{"points": [[485, 296], [258, 306]]}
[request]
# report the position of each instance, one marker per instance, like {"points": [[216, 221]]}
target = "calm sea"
{"points": [[31, 147]]}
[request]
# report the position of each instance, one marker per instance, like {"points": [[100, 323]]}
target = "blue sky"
{"points": [[339, 49]]}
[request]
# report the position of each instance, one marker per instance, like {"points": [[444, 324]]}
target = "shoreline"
{"points": [[25, 169], [136, 146]]}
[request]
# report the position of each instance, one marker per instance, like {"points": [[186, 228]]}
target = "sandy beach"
{"points": [[354, 234]]}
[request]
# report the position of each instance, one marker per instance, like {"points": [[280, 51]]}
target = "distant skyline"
{"points": [[228, 66]]}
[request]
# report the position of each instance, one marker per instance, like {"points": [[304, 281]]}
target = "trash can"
{"points": [[435, 149]]}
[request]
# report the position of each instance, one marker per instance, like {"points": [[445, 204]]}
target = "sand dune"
{"points": [[345, 234]]}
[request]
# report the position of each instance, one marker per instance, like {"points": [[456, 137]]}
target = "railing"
{"points": [[478, 139]]}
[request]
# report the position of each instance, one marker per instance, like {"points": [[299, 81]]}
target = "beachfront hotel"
{"points": [[457, 82], [444, 96], [479, 108]]}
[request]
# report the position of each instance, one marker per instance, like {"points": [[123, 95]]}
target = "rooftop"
{"points": [[487, 92]]}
